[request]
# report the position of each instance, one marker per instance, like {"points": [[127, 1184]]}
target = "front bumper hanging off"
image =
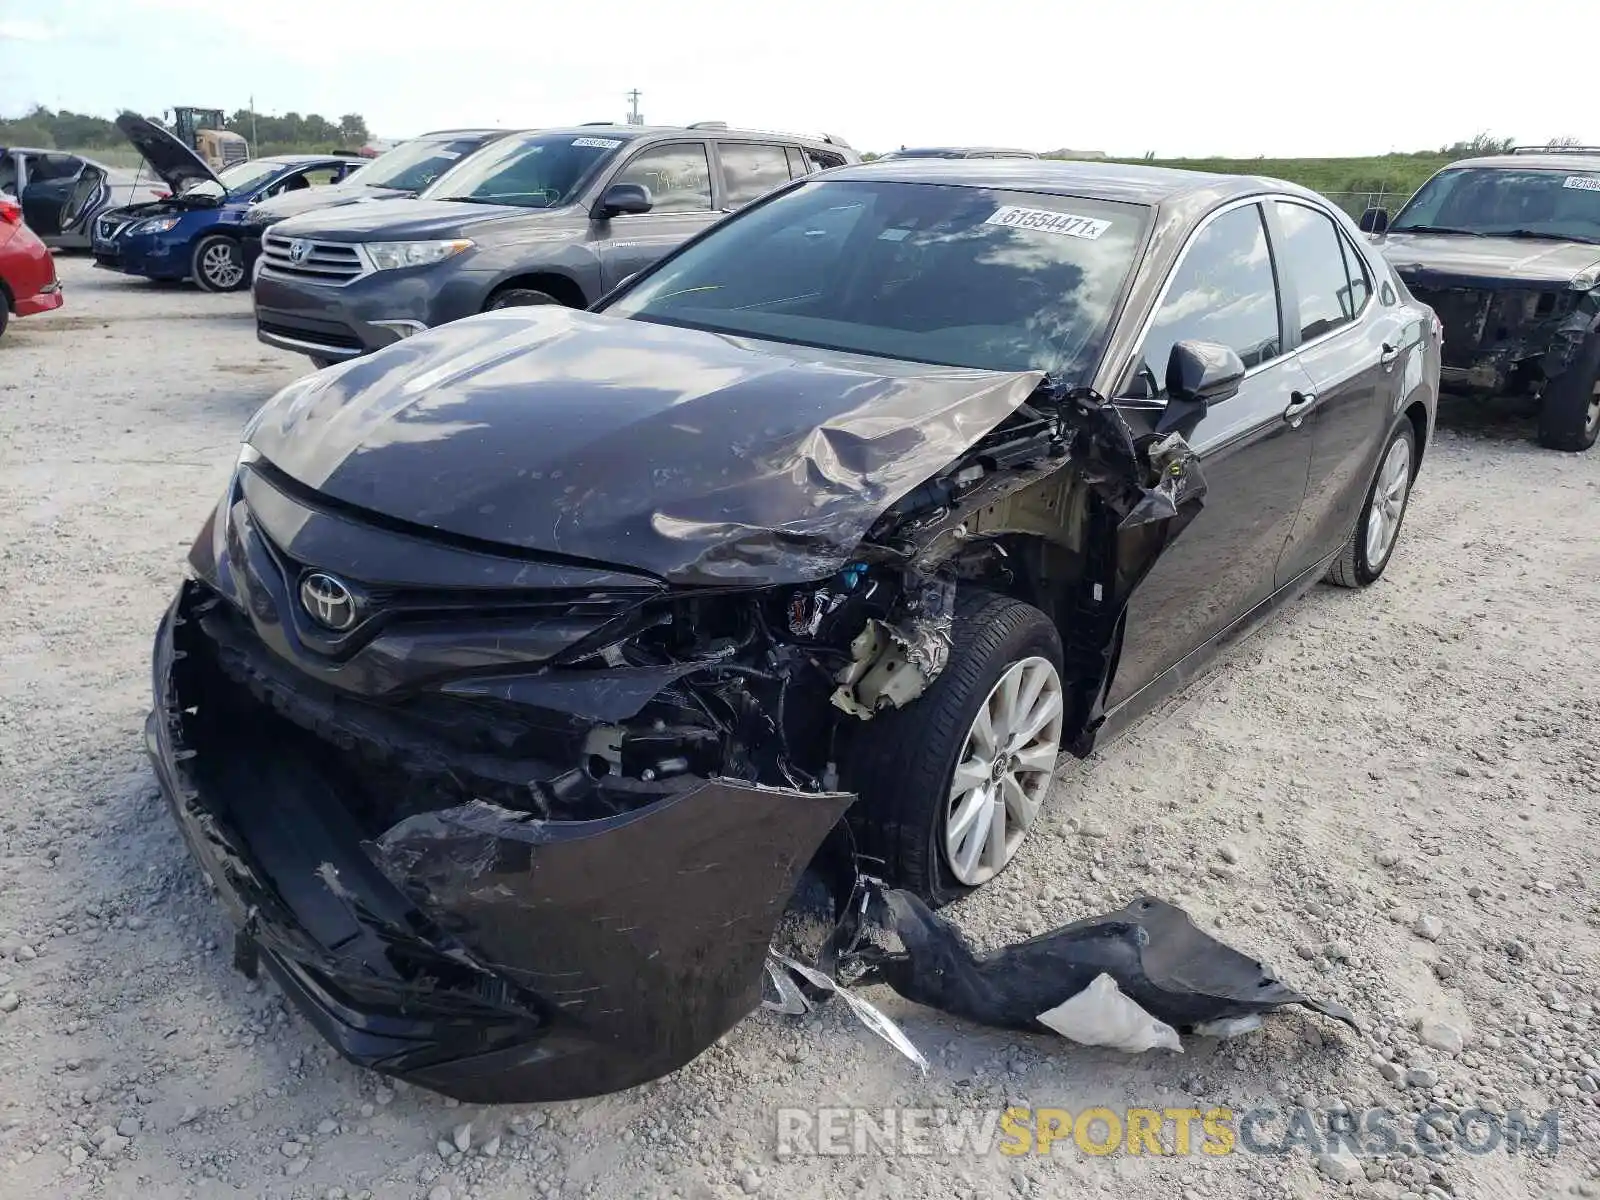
{"points": [[475, 950]]}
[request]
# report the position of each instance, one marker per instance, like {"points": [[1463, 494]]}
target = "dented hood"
{"points": [[1455, 260], [700, 458]]}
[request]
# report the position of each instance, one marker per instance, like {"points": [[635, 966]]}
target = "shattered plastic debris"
{"points": [[1101, 1015], [1154, 953], [868, 1014]]}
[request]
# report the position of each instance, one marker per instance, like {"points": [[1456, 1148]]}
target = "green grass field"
{"points": [[1354, 183]]}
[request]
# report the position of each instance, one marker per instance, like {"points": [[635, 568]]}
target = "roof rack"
{"points": [[834, 139], [1555, 150], [708, 125], [598, 123]]}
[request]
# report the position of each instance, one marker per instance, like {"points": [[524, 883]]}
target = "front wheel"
{"points": [[218, 264], [951, 784], [518, 298], [1373, 540], [1569, 417]]}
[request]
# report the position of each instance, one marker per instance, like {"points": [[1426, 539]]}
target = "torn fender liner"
{"points": [[1153, 952], [478, 951], [698, 457]]}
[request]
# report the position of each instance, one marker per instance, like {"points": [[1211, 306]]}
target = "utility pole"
{"points": [[633, 113], [255, 142]]}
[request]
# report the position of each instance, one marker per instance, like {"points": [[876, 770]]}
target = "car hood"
{"points": [[401, 219], [697, 457], [179, 167], [292, 204], [1461, 261]]}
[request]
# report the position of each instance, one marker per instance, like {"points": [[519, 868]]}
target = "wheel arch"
{"points": [[563, 287], [1417, 413]]}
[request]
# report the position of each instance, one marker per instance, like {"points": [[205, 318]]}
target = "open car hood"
{"points": [[697, 457], [1439, 259], [180, 168]]}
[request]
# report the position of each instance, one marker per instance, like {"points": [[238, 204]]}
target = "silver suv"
{"points": [[549, 216]]}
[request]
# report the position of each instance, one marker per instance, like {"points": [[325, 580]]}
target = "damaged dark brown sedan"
{"points": [[526, 664]]}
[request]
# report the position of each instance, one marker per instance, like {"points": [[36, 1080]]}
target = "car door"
{"points": [[48, 187], [678, 175], [1222, 290], [1349, 349]]}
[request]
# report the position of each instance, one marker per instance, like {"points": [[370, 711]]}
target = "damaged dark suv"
{"points": [[526, 663], [1506, 250]]}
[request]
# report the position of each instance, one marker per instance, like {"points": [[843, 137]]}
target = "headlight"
{"points": [[389, 256], [1585, 279], [156, 225]]}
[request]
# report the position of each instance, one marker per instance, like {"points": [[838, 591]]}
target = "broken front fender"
{"points": [[476, 951]]}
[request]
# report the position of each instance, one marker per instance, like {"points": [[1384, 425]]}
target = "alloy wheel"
{"points": [[1005, 770], [220, 266], [1388, 503]]}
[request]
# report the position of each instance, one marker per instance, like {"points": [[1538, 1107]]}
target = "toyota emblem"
{"points": [[328, 602], [299, 251]]}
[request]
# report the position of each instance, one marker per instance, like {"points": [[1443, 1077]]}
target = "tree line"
{"points": [[63, 129]]}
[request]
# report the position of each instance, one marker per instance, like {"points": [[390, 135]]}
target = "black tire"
{"points": [[1569, 418], [5, 313], [217, 264], [1353, 568], [902, 762], [517, 298]]}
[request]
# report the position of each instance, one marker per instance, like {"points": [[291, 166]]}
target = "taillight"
{"points": [[159, 195], [10, 211]]}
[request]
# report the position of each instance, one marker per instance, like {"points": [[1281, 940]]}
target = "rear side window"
{"points": [[1360, 275], [1313, 255], [821, 160], [798, 165], [751, 170], [1224, 292], [53, 166], [678, 176]]}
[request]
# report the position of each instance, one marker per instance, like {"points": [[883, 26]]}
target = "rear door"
{"points": [[90, 193], [750, 170], [1349, 347], [49, 187], [678, 175], [1222, 290]]}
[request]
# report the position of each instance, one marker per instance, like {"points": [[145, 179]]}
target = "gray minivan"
{"points": [[549, 216]]}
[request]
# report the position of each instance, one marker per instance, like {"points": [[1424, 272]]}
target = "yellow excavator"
{"points": [[203, 131]]}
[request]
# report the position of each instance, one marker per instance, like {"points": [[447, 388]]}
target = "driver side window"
{"points": [[1224, 291]]}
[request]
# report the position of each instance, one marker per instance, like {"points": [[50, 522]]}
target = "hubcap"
{"points": [[1592, 417], [1004, 771], [218, 266], [1388, 503]]}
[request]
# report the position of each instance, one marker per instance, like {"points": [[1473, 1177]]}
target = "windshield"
{"points": [[535, 172], [1491, 201], [239, 179], [414, 165], [968, 277]]}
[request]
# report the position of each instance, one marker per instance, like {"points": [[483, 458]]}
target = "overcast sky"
{"points": [[1229, 77]]}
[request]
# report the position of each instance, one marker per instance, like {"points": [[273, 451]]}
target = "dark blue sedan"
{"points": [[197, 232]]}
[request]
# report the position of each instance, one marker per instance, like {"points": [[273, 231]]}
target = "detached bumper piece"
{"points": [[474, 950]]}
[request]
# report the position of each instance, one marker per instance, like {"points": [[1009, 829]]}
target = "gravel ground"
{"points": [[1392, 795]]}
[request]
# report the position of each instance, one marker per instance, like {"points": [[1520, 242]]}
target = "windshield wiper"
{"points": [[1434, 229], [1542, 234]]}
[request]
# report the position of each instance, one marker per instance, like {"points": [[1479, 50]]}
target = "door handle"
{"points": [[1390, 353], [1300, 403]]}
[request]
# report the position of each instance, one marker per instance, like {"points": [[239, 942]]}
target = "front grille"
{"points": [[1477, 319], [318, 262], [109, 228]]}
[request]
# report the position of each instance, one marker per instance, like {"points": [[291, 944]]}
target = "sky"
{"points": [[1238, 78]]}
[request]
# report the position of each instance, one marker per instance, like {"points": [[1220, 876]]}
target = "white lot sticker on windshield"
{"points": [[1048, 220], [894, 235], [1584, 183], [597, 143], [449, 154]]}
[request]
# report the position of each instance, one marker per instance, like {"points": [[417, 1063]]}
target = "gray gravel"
{"points": [[1421, 757]]}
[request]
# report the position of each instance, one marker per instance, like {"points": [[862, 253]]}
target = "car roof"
{"points": [[441, 133], [917, 151], [633, 132], [1553, 161], [1126, 182], [300, 160]]}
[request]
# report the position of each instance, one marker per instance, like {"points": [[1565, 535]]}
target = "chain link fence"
{"points": [[1356, 203]]}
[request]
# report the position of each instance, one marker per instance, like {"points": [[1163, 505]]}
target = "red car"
{"points": [[28, 281]]}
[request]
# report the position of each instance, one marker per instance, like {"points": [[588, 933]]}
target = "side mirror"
{"points": [[624, 199], [1199, 374], [1375, 220]]}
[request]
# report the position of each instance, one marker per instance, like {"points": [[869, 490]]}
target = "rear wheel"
{"points": [[952, 784], [518, 297], [218, 264], [1569, 418], [1373, 540], [5, 313]]}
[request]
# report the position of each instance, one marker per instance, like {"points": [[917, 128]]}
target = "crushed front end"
{"points": [[1505, 335], [479, 849]]}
